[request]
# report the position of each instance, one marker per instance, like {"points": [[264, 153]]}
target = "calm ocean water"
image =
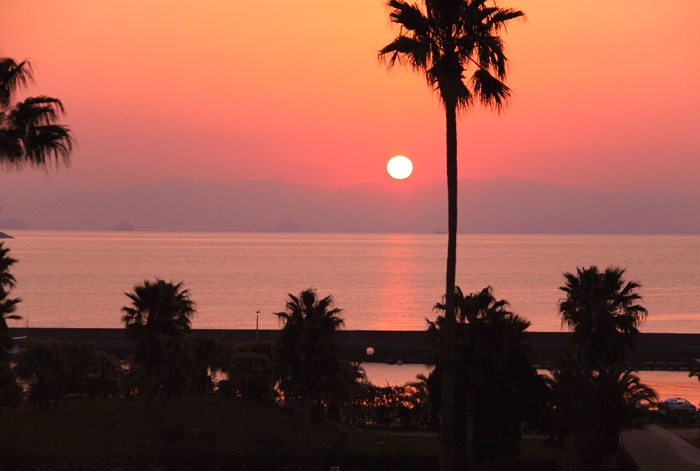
{"points": [[381, 281]]}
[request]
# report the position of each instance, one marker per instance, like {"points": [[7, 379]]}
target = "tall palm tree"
{"points": [[29, 133], [485, 333], [446, 39], [8, 306], [308, 351], [603, 312], [158, 310]]}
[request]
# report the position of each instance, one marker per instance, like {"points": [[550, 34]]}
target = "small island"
{"points": [[123, 226]]}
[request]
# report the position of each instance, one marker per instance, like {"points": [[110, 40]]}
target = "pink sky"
{"points": [[607, 94]]}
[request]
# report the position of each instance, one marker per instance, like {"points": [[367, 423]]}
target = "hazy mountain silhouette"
{"points": [[12, 224], [501, 205]]}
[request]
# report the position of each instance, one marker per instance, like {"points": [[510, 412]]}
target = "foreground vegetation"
{"points": [[213, 433]]}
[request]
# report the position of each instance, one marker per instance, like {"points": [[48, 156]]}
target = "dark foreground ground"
{"points": [[213, 433]]}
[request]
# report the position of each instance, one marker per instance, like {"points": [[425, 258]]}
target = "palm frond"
{"points": [[499, 20], [408, 17], [13, 76], [489, 90], [406, 51]]}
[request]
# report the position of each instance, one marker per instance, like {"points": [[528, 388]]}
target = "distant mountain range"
{"points": [[502, 205]]}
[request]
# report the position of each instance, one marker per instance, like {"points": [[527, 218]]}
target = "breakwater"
{"points": [[653, 351]]}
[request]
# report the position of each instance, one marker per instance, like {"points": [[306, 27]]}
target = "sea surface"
{"points": [[381, 281]]}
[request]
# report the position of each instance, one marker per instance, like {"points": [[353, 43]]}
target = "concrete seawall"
{"points": [[652, 351]]}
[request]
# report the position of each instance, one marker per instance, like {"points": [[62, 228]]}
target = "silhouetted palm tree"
{"points": [[485, 332], [444, 39], [7, 280], [8, 306], [603, 312], [597, 405], [158, 310], [308, 350], [29, 135]]}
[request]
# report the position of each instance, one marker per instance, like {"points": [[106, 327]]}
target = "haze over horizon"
{"points": [[498, 206], [216, 91]]}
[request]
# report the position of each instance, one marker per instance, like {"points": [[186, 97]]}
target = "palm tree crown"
{"points": [[160, 308], [603, 312], [29, 135], [484, 327], [444, 39]]}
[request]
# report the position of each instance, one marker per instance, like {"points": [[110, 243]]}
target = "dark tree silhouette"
{"points": [[488, 343], [7, 279], [252, 371], [29, 133], [595, 395], [603, 313], [8, 305], [593, 407], [253, 376], [158, 310], [307, 351], [444, 39], [43, 364], [53, 369], [9, 389], [207, 356]]}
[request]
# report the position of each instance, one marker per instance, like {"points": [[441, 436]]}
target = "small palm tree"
{"points": [[444, 39], [308, 351], [485, 332], [597, 404], [603, 312], [29, 135], [158, 310]]}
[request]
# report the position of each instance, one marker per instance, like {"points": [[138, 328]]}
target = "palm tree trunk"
{"points": [[470, 403], [447, 420], [150, 380], [307, 422]]}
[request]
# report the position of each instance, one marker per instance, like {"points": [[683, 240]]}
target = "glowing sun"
{"points": [[399, 167]]}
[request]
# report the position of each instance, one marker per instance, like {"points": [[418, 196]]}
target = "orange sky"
{"points": [[607, 94]]}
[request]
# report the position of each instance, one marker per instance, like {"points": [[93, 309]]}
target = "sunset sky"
{"points": [[606, 94]]}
